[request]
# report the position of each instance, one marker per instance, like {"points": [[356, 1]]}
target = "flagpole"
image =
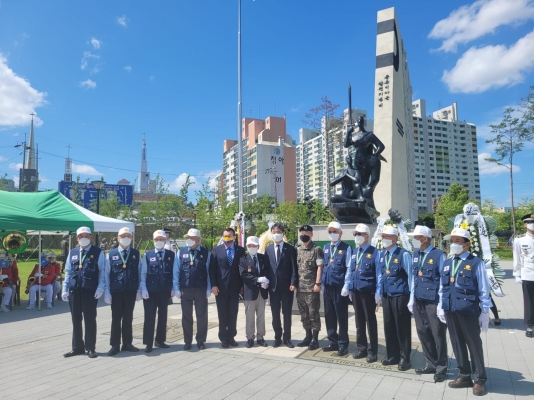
{"points": [[239, 118]]}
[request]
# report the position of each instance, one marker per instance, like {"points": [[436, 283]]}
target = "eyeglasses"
{"points": [[330, 232], [358, 234]]}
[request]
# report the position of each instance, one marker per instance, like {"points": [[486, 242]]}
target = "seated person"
{"points": [[6, 279], [52, 259], [46, 273]]}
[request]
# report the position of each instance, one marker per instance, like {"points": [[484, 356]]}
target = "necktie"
{"points": [[255, 261], [277, 253], [160, 258], [82, 256], [124, 254], [229, 256]]}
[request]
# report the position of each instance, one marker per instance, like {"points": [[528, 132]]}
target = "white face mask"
{"points": [[252, 250], [530, 227], [278, 237], [84, 242], [387, 242], [159, 244], [125, 241], [359, 239], [416, 243], [190, 242], [456, 249], [334, 237]]}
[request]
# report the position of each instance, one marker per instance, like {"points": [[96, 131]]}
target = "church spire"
{"points": [[30, 150]]}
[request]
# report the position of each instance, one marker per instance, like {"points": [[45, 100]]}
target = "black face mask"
{"points": [[304, 238]]}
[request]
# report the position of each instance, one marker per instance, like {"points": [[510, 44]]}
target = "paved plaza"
{"points": [[33, 342]]}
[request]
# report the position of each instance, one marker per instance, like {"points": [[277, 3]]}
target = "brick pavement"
{"points": [[32, 344]]}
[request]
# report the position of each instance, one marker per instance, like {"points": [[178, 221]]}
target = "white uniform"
{"points": [[524, 257]]}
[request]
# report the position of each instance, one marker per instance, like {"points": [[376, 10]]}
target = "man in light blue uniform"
{"points": [[84, 284], [463, 291], [427, 268], [336, 280], [393, 289]]}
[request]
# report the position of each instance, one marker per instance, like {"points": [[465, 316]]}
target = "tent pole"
{"points": [[39, 270]]}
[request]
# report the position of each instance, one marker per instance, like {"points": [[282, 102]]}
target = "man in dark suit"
{"points": [[254, 270], [226, 284], [283, 282]]}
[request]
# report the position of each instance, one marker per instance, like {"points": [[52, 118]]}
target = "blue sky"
{"points": [[98, 74]]}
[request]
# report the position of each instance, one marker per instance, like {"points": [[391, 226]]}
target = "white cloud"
{"points": [[15, 166], [16, 134], [87, 55], [152, 78], [88, 84], [16, 179], [211, 175], [489, 168], [95, 43], [85, 169], [17, 98], [128, 68], [43, 178], [2, 159], [471, 22], [123, 21], [480, 69], [177, 184]]}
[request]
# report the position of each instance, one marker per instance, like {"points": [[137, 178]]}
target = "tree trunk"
{"points": [[512, 187]]}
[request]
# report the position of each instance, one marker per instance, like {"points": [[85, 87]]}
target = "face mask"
{"points": [[190, 242], [530, 227], [252, 250], [457, 249], [84, 242], [304, 238], [416, 243], [278, 237], [387, 242], [159, 244], [125, 241], [334, 237], [359, 239]]}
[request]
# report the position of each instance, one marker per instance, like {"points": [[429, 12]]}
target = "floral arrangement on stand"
{"points": [[402, 225]]}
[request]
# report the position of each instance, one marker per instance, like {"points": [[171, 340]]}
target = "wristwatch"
{"points": [[318, 284]]}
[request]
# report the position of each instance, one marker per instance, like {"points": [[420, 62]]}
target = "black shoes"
{"points": [[187, 346], [201, 346], [314, 344], [148, 348], [233, 343], [360, 354], [307, 340], [404, 365], [261, 343], [459, 383], [224, 345], [530, 332], [331, 347], [426, 370], [371, 358], [129, 347], [342, 352], [390, 361], [161, 345], [92, 354], [73, 353], [440, 377], [250, 343], [114, 350], [277, 343], [479, 389]]}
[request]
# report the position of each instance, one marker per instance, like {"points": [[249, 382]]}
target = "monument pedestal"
{"points": [[354, 212]]}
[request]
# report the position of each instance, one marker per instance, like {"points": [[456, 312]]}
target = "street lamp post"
{"points": [[98, 185]]}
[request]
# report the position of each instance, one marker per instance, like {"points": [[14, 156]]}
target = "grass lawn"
{"points": [[25, 268]]}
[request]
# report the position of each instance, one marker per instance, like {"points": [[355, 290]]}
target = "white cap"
{"points": [[421, 230], [125, 230], [253, 240], [335, 225], [459, 232], [2, 255], [192, 232], [83, 229], [157, 233], [390, 230], [362, 228]]}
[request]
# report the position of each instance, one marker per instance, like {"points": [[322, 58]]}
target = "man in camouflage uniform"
{"points": [[310, 260]]}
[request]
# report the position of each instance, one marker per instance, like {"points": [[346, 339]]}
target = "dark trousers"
{"points": [[336, 312], [464, 331], [122, 308], [365, 315], [82, 304], [528, 301], [157, 303], [397, 326], [194, 297], [227, 308], [432, 335], [282, 299]]}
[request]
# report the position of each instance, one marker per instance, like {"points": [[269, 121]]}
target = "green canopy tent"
{"points": [[50, 213]]}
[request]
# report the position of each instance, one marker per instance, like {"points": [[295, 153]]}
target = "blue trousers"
{"points": [[336, 314]]}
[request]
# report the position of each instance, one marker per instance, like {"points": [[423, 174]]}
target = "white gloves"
{"points": [[378, 298], [38, 275], [262, 279], [65, 296], [410, 305], [483, 320], [144, 294], [518, 280], [107, 298], [264, 285], [2, 277], [172, 293], [441, 315], [99, 292], [208, 294], [178, 294], [344, 292], [138, 296]]}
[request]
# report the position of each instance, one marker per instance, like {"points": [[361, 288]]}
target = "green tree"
{"points": [[450, 205], [427, 219]]}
